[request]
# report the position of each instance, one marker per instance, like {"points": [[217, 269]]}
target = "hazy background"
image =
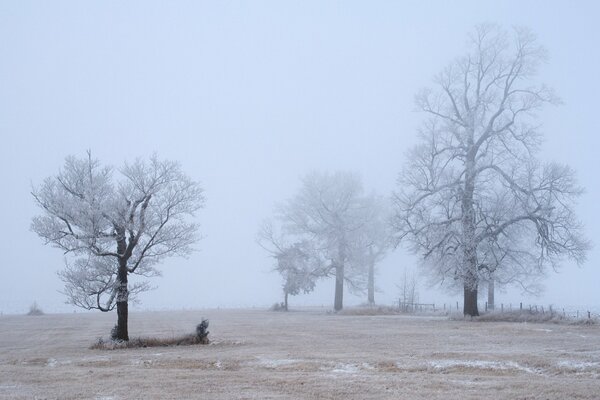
{"points": [[249, 96]]}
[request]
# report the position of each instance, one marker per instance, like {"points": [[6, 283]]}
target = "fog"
{"points": [[249, 97]]}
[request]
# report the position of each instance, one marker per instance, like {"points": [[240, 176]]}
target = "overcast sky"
{"points": [[249, 96]]}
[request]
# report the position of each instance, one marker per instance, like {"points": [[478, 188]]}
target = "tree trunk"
{"points": [[470, 283], [470, 303], [122, 303], [338, 302], [371, 283], [491, 294], [122, 332], [285, 301], [469, 272], [122, 315]]}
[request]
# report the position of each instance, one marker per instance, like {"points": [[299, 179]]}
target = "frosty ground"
{"points": [[309, 354]]}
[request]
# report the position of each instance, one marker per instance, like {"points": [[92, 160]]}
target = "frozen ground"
{"points": [[298, 355]]}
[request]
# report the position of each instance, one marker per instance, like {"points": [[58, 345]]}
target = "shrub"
{"points": [[278, 307], [34, 309]]}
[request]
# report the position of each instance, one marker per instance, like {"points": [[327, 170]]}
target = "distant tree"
{"points": [[409, 291], [298, 263], [472, 199], [111, 228], [375, 241], [328, 215]]}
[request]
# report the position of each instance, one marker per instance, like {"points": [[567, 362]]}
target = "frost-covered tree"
{"points": [[472, 200], [329, 212], [299, 264], [376, 241], [111, 227]]}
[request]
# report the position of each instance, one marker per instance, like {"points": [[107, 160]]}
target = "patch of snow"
{"points": [[367, 366], [141, 362], [274, 363], [481, 364], [346, 369], [579, 365], [51, 362]]}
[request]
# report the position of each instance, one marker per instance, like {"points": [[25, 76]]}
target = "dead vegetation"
{"points": [[201, 337], [306, 354], [35, 310], [185, 340], [370, 310], [529, 316]]}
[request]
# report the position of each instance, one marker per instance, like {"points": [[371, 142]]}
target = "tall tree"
{"points": [[373, 241], [111, 228], [472, 199]]}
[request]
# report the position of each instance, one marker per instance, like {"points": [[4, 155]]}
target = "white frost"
{"points": [[481, 364]]}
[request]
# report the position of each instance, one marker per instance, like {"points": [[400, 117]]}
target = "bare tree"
{"points": [[329, 212], [299, 264], [111, 229], [409, 291], [472, 200], [373, 241]]}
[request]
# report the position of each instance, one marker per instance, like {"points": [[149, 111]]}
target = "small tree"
{"points": [[298, 263], [109, 229], [300, 268], [472, 199], [409, 291]]}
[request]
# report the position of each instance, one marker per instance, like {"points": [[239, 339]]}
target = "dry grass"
{"points": [[185, 340], [369, 310], [306, 354], [530, 317]]}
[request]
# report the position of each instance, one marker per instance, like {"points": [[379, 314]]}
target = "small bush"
{"points": [[202, 331], [278, 307], [35, 310], [113, 332]]}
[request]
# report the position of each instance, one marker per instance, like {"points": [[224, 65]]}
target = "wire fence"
{"points": [[566, 312]]}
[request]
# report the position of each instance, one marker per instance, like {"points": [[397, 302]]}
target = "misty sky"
{"points": [[249, 96]]}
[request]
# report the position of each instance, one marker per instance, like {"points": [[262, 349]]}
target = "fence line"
{"points": [[568, 313]]}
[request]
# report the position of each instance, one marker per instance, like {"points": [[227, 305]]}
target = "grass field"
{"points": [[298, 355]]}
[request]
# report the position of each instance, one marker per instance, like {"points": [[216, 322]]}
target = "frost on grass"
{"points": [[201, 337], [444, 365], [185, 340], [346, 369], [275, 363], [579, 366]]}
